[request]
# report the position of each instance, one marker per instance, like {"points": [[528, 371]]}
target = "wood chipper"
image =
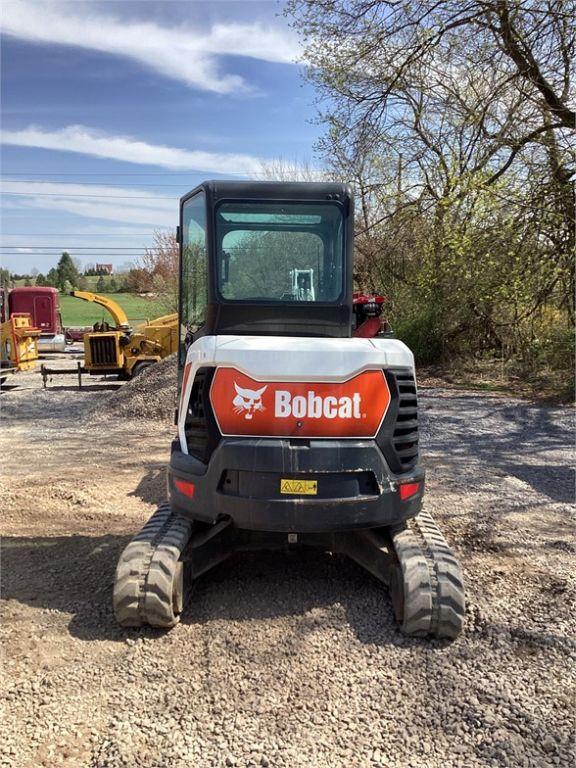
{"points": [[124, 350], [297, 418], [118, 349]]}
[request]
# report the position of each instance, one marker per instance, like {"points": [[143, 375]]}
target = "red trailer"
{"points": [[43, 304]]}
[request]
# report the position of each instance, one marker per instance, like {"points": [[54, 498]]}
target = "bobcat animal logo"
{"points": [[248, 401]]}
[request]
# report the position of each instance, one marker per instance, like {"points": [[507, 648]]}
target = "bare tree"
{"points": [[453, 118], [161, 264], [282, 169]]}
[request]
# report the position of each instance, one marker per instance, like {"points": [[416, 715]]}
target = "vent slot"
{"points": [[398, 437], [103, 350], [405, 435]]}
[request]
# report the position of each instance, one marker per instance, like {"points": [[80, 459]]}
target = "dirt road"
{"points": [[285, 660]]}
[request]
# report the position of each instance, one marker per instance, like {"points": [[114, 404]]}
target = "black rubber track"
{"points": [[148, 588], [427, 589]]}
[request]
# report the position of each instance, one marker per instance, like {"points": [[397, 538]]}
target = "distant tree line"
{"points": [[155, 273]]}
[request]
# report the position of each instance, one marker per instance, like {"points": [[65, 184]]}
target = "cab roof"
{"points": [[272, 190]]}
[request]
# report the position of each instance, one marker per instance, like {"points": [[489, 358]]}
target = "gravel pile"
{"points": [[294, 661], [149, 396]]}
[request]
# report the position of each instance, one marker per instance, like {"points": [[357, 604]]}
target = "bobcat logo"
{"points": [[248, 401]]}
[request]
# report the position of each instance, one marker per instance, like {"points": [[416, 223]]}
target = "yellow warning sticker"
{"points": [[299, 487]]}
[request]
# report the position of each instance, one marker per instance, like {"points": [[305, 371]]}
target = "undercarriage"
{"points": [[158, 567]]}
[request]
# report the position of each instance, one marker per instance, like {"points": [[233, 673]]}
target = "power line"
{"points": [[135, 252], [106, 197], [73, 247], [87, 183], [92, 256], [86, 256], [82, 234], [97, 173]]}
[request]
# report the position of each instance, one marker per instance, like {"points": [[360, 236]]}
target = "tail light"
{"points": [[407, 490]]}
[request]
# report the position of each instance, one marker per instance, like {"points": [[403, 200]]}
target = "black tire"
{"points": [[140, 368], [426, 586], [410, 587], [149, 584], [449, 600]]}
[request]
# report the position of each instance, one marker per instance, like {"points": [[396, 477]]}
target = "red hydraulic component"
{"points": [[368, 310]]}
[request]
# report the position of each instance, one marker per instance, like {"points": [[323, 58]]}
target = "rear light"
{"points": [[184, 487], [407, 490]]}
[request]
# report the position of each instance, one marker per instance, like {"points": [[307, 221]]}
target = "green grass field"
{"points": [[78, 312]]}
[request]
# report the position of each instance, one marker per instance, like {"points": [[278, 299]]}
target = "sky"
{"points": [[111, 111]]}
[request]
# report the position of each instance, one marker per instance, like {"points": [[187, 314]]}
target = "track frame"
{"points": [[158, 567]]}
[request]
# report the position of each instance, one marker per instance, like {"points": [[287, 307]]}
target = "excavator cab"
{"points": [[295, 426], [267, 259]]}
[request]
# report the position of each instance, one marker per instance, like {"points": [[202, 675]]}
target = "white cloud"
{"points": [[78, 138], [183, 52], [123, 204]]}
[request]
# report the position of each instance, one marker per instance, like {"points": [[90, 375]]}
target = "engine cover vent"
{"points": [[202, 435], [398, 437]]}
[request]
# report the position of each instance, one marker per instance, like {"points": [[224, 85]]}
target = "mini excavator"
{"points": [[297, 422]]}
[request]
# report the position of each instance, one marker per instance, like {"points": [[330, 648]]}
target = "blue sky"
{"points": [[113, 110]]}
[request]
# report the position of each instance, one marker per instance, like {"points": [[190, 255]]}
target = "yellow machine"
{"points": [[18, 344], [121, 349]]}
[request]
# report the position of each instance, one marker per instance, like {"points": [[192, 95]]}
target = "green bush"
{"points": [[421, 332], [555, 348]]}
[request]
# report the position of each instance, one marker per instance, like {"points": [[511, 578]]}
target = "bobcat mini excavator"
{"points": [[297, 418]]}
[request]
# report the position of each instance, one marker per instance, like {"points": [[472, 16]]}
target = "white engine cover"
{"points": [[287, 358]]}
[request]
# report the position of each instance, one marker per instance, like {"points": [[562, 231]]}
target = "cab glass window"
{"points": [[280, 252], [193, 271]]}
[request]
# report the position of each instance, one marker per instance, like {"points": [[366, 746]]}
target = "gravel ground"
{"points": [[150, 396], [285, 660]]}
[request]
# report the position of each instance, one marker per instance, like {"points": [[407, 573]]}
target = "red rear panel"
{"points": [[353, 408], [42, 303]]}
